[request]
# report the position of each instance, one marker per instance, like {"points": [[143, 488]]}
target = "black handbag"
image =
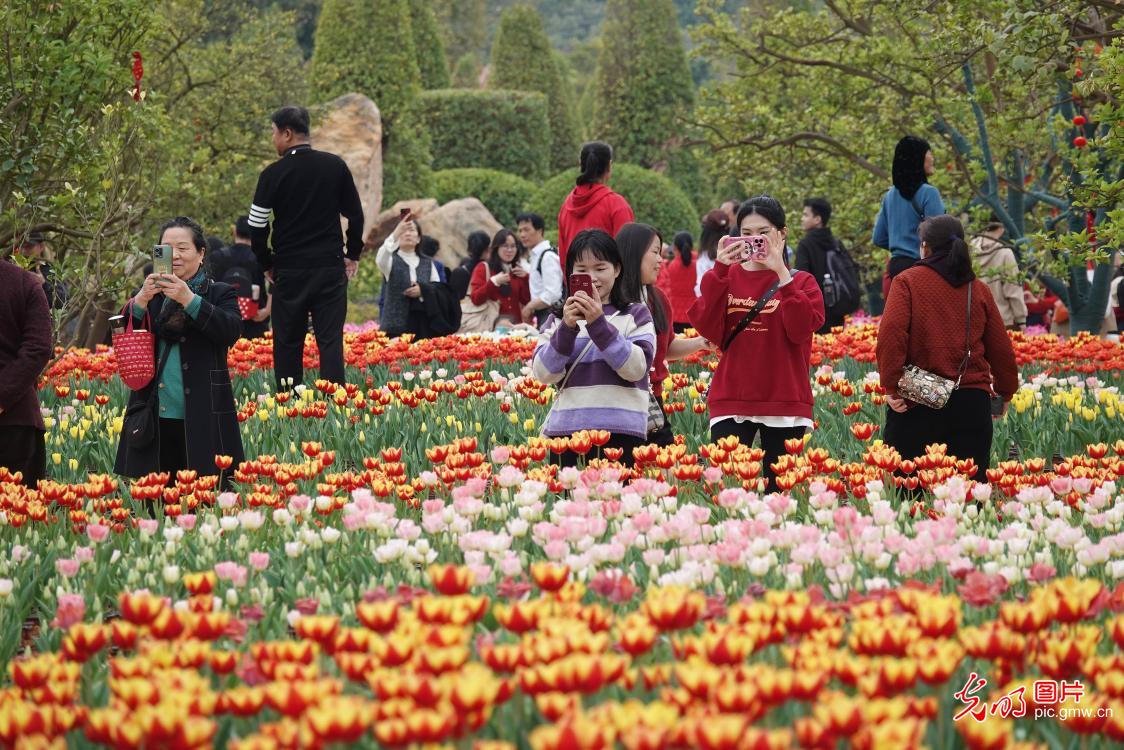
{"points": [[142, 419]]}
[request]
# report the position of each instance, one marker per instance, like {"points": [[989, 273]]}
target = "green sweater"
{"points": [[171, 377]]}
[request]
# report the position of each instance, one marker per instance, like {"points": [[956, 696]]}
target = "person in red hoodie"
{"points": [[762, 382], [681, 280], [591, 204]]}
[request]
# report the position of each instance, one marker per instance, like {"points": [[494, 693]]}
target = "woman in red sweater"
{"points": [[504, 278], [926, 324], [681, 280], [762, 382], [591, 204]]}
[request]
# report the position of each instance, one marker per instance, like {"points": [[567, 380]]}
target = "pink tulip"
{"points": [[97, 532], [259, 560], [148, 526], [1040, 573], [186, 521], [83, 554], [71, 610], [67, 567]]}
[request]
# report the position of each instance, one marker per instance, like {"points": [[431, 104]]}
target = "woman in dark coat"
{"points": [[195, 320]]}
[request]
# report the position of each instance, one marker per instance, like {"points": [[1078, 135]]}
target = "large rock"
{"points": [[449, 224], [351, 127]]}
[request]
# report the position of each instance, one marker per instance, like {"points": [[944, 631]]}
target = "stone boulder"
{"points": [[449, 224], [351, 127]]}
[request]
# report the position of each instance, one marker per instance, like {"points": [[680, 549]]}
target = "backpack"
{"points": [[846, 293], [551, 249]]}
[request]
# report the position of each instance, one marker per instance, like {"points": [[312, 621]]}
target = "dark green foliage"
{"points": [[505, 195], [503, 130], [654, 198], [428, 46], [366, 47], [644, 87], [464, 24], [522, 60], [466, 73]]}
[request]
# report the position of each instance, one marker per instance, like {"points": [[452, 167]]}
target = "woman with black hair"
{"points": [[591, 204], [405, 272], [598, 352], [195, 320], [763, 317], [640, 246], [503, 278], [715, 226], [682, 278], [906, 204], [459, 278], [942, 319]]}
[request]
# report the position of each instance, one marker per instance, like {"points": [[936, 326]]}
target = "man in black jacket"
{"points": [[306, 191], [811, 253]]}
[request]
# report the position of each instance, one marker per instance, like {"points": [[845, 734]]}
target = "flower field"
{"points": [[400, 565]]}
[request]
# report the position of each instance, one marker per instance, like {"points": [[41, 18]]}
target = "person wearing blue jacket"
{"points": [[910, 201]]}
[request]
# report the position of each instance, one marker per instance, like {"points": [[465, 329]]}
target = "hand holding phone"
{"points": [[758, 247]]}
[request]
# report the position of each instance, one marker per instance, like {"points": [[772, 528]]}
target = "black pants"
{"points": [[964, 424], [772, 442], [616, 440], [24, 449], [298, 292], [173, 447]]}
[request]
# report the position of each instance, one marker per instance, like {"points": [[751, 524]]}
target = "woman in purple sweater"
{"points": [[599, 352]]}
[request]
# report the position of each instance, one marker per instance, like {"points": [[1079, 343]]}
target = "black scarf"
{"points": [[172, 320]]}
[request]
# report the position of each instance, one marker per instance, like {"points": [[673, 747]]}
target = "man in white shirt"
{"points": [[546, 268]]}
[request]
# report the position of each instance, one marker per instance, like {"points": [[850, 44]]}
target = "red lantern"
{"points": [[1080, 141], [1079, 120]]}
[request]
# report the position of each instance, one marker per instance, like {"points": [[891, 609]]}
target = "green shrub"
{"points": [[505, 195], [522, 60], [502, 130], [654, 198]]}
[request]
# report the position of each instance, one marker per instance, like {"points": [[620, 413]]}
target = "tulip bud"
{"points": [[171, 574]]}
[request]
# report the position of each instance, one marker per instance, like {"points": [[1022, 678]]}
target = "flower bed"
{"points": [[400, 564]]}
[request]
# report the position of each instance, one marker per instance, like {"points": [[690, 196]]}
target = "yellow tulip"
{"points": [[513, 418], [56, 458], [362, 437], [263, 415], [73, 464], [74, 432], [528, 424]]}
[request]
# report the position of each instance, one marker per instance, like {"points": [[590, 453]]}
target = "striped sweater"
{"points": [[608, 389]]}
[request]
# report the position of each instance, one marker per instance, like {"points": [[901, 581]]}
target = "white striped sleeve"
{"points": [[259, 216]]}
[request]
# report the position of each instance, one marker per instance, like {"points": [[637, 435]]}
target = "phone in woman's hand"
{"points": [[582, 282]]}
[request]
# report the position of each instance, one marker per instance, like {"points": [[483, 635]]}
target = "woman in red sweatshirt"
{"points": [[504, 278], [591, 204], [762, 382], [926, 324]]}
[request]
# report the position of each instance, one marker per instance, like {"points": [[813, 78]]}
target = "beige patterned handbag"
{"points": [[932, 390]]}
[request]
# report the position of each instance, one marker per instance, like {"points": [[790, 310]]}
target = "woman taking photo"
{"points": [[926, 324], [195, 321], [763, 316], [598, 353], [503, 278], [591, 204], [404, 270], [640, 247]]}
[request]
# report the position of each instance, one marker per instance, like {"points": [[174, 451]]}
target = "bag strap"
{"points": [[574, 364], [127, 311], [967, 337], [749, 316]]}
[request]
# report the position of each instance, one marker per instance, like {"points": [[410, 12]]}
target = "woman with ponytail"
{"points": [[591, 204], [928, 324], [682, 280]]}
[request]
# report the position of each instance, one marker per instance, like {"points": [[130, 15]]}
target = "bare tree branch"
{"points": [[834, 145]]}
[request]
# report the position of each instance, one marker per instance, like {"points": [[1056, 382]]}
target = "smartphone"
{"points": [[757, 246], [582, 282], [403, 214], [161, 258]]}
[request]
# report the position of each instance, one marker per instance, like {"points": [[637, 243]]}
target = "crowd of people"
{"points": [[612, 303]]}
